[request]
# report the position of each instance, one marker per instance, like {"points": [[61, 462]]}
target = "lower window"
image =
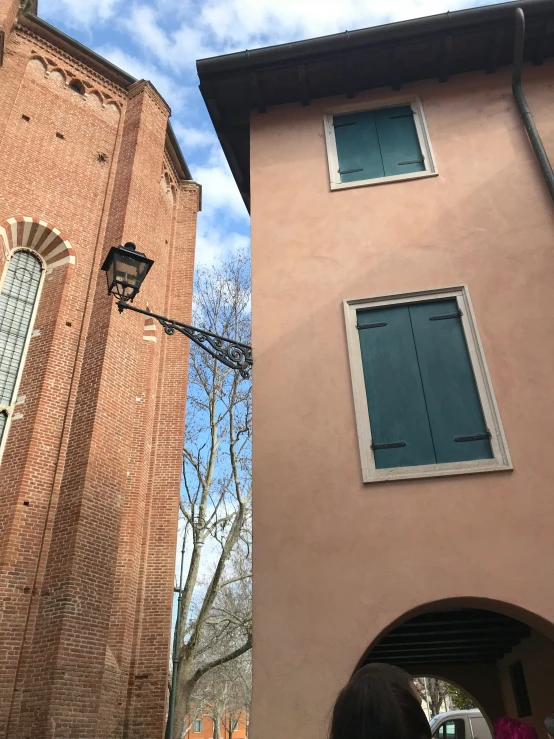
{"points": [[424, 401]]}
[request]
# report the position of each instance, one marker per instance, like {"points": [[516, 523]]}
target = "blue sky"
{"points": [[160, 40]]}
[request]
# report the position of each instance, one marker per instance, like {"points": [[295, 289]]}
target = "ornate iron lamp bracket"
{"points": [[233, 354]]}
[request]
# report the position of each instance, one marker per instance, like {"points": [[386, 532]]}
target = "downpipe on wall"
{"points": [[523, 107]]}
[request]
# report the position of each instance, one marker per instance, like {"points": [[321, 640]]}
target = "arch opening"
{"points": [[77, 86], [499, 654], [442, 696]]}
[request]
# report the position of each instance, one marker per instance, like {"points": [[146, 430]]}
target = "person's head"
{"points": [[379, 702], [549, 725], [513, 728]]}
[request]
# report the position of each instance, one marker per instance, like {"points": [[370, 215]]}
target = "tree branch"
{"points": [[223, 660], [234, 579]]}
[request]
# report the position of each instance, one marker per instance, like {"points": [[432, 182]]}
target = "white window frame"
{"points": [[10, 409], [500, 461], [194, 729], [422, 134]]}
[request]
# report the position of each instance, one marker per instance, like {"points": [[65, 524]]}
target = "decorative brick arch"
{"points": [[30, 233]]}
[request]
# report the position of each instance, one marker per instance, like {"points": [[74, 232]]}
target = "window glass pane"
{"points": [[3, 422], [17, 300], [453, 729]]}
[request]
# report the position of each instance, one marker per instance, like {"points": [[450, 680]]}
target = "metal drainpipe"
{"points": [[526, 116]]}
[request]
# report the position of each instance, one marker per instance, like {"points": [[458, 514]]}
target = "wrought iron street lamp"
{"points": [[126, 269]]}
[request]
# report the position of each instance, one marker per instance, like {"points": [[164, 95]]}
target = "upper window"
{"points": [[17, 308], [424, 402], [198, 726], [367, 147]]}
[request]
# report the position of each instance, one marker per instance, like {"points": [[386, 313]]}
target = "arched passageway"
{"points": [[500, 654]]}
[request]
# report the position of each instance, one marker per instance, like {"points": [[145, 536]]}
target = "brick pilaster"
{"points": [[77, 667], [147, 709]]}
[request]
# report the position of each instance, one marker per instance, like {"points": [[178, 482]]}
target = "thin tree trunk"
{"points": [[184, 692], [217, 725]]}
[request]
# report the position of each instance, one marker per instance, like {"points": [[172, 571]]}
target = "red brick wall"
{"points": [[8, 13], [87, 566]]}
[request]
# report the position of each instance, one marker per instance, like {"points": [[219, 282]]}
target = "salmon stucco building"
{"points": [[92, 403], [402, 290]]}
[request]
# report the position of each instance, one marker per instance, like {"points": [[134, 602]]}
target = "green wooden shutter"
{"points": [[394, 391], [358, 150], [398, 140], [451, 395]]}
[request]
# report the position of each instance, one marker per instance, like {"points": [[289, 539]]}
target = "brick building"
{"points": [[92, 403], [232, 725]]}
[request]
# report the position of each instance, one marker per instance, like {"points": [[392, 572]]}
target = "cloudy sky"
{"points": [[160, 40]]}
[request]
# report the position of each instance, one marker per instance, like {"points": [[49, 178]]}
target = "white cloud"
{"points": [[174, 94], [213, 244], [78, 14], [194, 138], [219, 190], [223, 222], [241, 22], [177, 48], [219, 26]]}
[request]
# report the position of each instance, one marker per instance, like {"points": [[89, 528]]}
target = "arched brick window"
{"points": [[18, 303]]}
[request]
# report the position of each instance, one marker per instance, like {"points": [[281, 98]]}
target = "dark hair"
{"points": [[378, 702]]}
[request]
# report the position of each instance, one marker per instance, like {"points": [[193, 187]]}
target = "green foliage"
{"points": [[460, 699]]}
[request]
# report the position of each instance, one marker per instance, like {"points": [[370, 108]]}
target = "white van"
{"points": [[460, 725]]}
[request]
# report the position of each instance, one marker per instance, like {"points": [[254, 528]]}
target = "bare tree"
{"points": [[215, 623], [434, 692], [238, 677], [224, 693]]}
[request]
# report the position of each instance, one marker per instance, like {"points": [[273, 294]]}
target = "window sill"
{"points": [[435, 470], [382, 180]]}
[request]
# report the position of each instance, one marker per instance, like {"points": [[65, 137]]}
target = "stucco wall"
{"points": [[337, 561]]}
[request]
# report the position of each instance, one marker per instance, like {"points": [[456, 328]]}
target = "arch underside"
{"points": [[480, 645], [458, 636]]}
